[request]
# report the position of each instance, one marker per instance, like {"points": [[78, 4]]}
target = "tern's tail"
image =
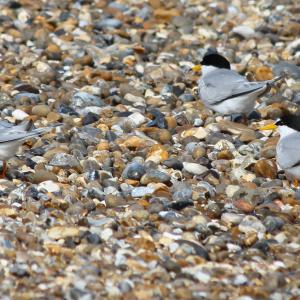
{"points": [[38, 131], [272, 81]]}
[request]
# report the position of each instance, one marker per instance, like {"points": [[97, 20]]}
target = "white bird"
{"points": [[11, 137], [225, 91], [288, 146]]}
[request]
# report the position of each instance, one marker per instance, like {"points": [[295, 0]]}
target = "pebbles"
{"points": [[143, 190]]}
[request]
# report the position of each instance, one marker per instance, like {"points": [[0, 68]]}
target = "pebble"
{"points": [[251, 224], [231, 218], [244, 31], [19, 115], [173, 163], [273, 223], [64, 160], [41, 110], [83, 99], [43, 175], [90, 118], [194, 168], [155, 176], [142, 192], [49, 186], [62, 232], [287, 68], [134, 171], [266, 168], [107, 23]]}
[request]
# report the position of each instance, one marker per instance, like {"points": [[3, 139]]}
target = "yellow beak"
{"points": [[196, 68], [268, 127]]}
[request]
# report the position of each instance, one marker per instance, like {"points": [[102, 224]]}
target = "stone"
{"points": [[198, 132], [141, 191], [134, 171], [173, 163], [41, 110], [62, 232], [194, 168], [244, 31], [251, 224], [155, 176], [49, 186], [64, 160], [19, 115], [266, 168], [231, 218]]}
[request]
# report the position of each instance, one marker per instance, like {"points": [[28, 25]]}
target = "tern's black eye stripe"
{"points": [[280, 123]]}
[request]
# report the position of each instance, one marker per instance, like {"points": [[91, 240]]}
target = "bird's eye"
{"points": [[279, 123]]}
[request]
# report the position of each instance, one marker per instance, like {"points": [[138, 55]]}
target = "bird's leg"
{"points": [[239, 118], [244, 119], [4, 169]]}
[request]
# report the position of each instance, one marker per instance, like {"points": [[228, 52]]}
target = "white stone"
{"points": [[19, 114], [232, 218], [42, 67], [251, 224], [194, 168], [231, 190], [240, 279], [137, 119], [197, 273], [244, 31], [141, 191], [106, 234], [49, 186], [133, 98]]}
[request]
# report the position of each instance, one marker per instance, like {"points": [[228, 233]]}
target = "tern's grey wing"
{"points": [[7, 127], [222, 84], [20, 136], [5, 124], [288, 151]]}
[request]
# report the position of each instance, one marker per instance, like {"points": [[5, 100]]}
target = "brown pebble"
{"points": [[225, 154], [266, 168], [244, 206], [40, 110]]}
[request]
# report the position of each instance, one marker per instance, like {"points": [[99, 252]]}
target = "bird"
{"points": [[13, 136], [288, 146], [224, 90]]}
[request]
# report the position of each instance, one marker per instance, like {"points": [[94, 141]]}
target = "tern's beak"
{"points": [[269, 127], [197, 68]]}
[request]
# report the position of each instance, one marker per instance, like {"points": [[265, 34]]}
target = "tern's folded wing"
{"points": [[15, 136], [223, 84], [288, 151]]}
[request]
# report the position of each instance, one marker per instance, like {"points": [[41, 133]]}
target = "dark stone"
{"points": [[69, 243], [65, 109], [181, 204], [90, 118], [159, 119], [133, 171], [288, 68], [262, 245], [273, 223], [110, 136], [199, 250], [14, 5], [93, 238], [173, 163], [171, 266], [18, 271], [213, 137]]}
